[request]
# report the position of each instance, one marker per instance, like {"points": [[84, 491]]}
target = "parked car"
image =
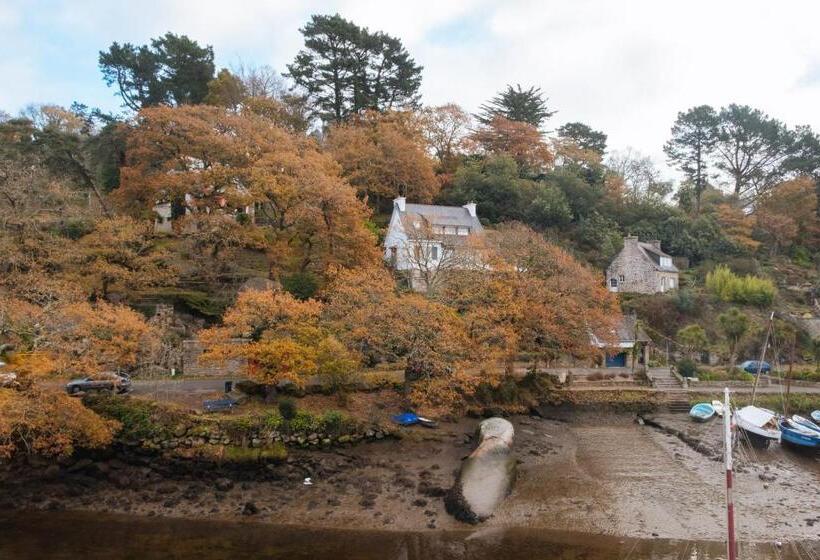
{"points": [[751, 366], [100, 382], [220, 405]]}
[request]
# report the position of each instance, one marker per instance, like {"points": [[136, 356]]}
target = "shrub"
{"points": [[303, 422], [687, 368], [288, 409], [272, 420], [751, 290], [332, 421], [301, 285]]}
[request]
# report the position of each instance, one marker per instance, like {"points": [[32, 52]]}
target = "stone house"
{"points": [[642, 268], [627, 337], [426, 241]]}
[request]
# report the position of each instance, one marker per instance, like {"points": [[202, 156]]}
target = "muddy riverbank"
{"points": [[580, 472]]}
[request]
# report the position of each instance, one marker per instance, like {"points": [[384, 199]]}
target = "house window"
{"points": [[434, 252], [463, 230], [621, 278], [450, 230], [613, 282]]}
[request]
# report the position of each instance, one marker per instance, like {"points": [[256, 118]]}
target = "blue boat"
{"points": [[792, 433], [406, 419], [815, 415], [702, 412], [805, 423]]}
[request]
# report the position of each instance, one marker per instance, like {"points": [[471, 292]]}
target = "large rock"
{"points": [[486, 476]]}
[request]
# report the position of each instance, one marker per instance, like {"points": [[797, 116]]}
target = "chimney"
{"points": [[470, 206], [630, 240], [656, 243], [399, 202]]}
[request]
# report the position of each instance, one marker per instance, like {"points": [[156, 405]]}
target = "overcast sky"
{"points": [[624, 67]]}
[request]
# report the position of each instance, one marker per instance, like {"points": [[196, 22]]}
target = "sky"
{"points": [[624, 67]]}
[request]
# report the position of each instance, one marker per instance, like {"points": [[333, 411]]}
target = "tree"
{"points": [[226, 90], [274, 333], [751, 148], [734, 325], [693, 339], [583, 136], [446, 128], [493, 183], [383, 156], [517, 104], [694, 136], [519, 140], [639, 173], [225, 162], [345, 69], [173, 70], [786, 215]]}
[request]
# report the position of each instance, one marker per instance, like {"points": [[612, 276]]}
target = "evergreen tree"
{"points": [[345, 69], [517, 104], [694, 135], [584, 136]]}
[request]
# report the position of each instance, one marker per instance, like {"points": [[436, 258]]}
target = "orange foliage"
{"points": [[48, 424], [737, 225], [520, 140], [384, 156], [787, 214]]}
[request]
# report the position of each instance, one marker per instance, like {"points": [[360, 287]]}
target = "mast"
{"points": [[762, 356], [731, 545]]}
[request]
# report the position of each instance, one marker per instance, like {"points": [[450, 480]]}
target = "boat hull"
{"points": [[702, 412], [798, 438], [759, 424]]}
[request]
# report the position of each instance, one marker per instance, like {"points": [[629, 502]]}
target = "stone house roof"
{"points": [[652, 251], [436, 215]]}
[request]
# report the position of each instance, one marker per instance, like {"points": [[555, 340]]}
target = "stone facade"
{"points": [[642, 268]]}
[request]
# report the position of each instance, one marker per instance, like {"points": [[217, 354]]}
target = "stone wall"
{"points": [[639, 274], [193, 367]]}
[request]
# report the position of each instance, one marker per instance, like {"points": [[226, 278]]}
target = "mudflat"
{"points": [[602, 474]]}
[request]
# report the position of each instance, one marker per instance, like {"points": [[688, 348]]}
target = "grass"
{"points": [[798, 402]]}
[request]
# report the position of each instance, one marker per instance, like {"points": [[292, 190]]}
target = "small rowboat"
{"points": [[794, 434], [702, 412], [815, 415], [410, 419], [718, 406], [805, 423], [760, 424]]}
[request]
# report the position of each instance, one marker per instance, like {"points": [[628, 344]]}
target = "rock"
{"points": [[419, 502], [224, 484], [333, 502], [250, 509], [486, 476], [765, 477], [180, 430]]}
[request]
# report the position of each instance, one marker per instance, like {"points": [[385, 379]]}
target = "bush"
{"points": [[751, 290], [301, 285], [687, 368], [288, 409], [303, 422], [332, 421]]}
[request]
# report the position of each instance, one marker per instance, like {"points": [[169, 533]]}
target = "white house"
{"points": [[425, 241]]}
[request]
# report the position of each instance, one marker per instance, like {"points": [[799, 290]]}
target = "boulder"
{"points": [[486, 476]]}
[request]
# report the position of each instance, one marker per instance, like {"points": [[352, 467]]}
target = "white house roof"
{"points": [[443, 215]]}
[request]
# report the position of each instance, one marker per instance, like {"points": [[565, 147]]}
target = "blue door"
{"points": [[618, 360]]}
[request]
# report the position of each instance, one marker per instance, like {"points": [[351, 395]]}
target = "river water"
{"points": [[65, 535]]}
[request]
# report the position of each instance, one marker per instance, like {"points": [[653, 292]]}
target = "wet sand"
{"points": [[596, 474]]}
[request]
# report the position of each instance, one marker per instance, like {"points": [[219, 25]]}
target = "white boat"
{"points": [[760, 423], [718, 406]]}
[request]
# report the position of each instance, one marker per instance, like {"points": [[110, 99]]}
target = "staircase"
{"points": [[675, 396]]}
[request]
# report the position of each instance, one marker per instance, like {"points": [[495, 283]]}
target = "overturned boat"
{"points": [[702, 412], [759, 424]]}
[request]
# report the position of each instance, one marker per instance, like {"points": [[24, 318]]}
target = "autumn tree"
{"points": [[173, 70], [517, 104], [274, 333], [206, 160], [694, 136], [346, 69], [520, 140], [786, 215], [446, 128], [383, 156]]}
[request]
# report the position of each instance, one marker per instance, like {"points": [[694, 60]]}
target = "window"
{"points": [[450, 230], [434, 252], [666, 261], [621, 278], [613, 282], [463, 230]]}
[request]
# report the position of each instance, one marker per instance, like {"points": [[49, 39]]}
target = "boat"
{"points": [[794, 434], [718, 406], [805, 422], [760, 424], [702, 412], [427, 422], [815, 415], [406, 419]]}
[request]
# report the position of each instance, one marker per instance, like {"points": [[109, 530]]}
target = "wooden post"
{"points": [[731, 545], [762, 356], [789, 378]]}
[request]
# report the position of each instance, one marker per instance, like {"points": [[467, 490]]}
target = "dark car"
{"points": [[752, 366], [220, 405], [108, 382]]}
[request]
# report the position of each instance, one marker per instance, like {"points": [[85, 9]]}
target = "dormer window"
{"points": [[666, 261], [462, 230]]}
